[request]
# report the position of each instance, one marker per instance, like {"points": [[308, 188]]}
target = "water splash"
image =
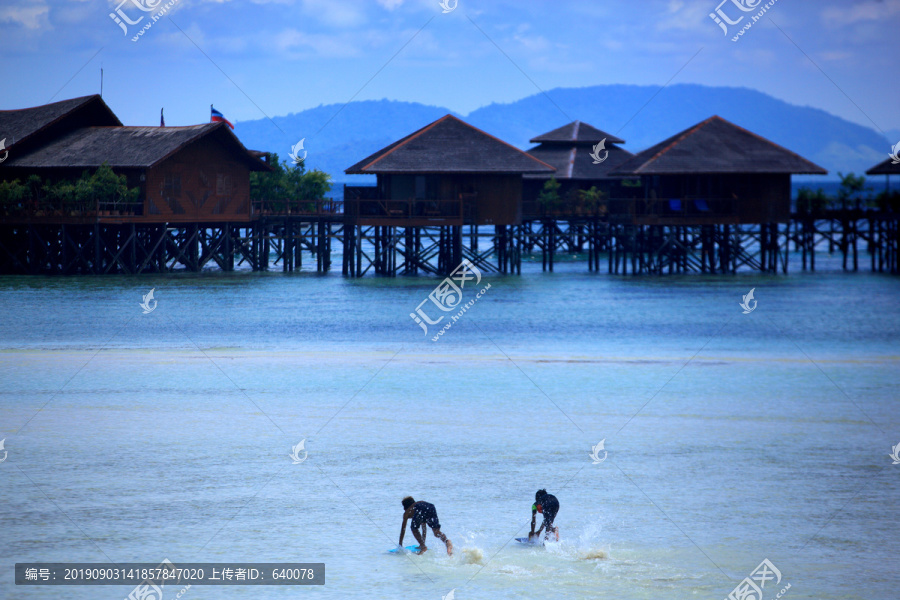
{"points": [[471, 555]]}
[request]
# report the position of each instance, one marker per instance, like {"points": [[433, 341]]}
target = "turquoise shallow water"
{"points": [[731, 438]]}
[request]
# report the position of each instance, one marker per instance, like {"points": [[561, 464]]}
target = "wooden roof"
{"points": [[19, 125], [716, 146], [885, 167], [577, 132], [449, 145], [575, 162], [128, 147]]}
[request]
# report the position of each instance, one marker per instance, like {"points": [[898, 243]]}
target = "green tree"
{"points": [[14, 197], [549, 197], [105, 187], [809, 201], [852, 187], [289, 184], [66, 196], [593, 200]]}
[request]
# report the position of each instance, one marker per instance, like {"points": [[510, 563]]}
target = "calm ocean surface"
{"points": [[731, 438]]}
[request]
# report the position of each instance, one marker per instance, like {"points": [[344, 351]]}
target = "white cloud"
{"points": [[533, 43], [339, 14], [31, 16], [298, 43], [871, 10]]}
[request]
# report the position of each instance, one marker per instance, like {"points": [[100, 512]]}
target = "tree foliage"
{"points": [[102, 189], [852, 187], [549, 197], [290, 184], [593, 200]]}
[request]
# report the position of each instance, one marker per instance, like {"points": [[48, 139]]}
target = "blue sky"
{"points": [[254, 58]]}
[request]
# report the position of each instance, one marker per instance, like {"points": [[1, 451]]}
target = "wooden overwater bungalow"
{"points": [[714, 186], [430, 184], [184, 174], [193, 184], [884, 236], [713, 198], [568, 149], [887, 167]]}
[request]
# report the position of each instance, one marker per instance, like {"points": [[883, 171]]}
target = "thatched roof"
{"points": [[577, 132], [716, 146], [19, 125], [885, 167], [449, 145], [575, 162], [129, 147]]}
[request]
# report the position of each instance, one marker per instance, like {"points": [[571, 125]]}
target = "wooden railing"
{"points": [[90, 209], [323, 207], [380, 208], [678, 208]]}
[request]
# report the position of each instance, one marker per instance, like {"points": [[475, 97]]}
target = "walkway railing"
{"points": [[617, 208], [399, 210], [319, 208]]}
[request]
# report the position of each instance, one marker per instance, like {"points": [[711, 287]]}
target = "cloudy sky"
{"points": [[253, 58]]}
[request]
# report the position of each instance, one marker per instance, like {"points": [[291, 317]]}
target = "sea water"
{"points": [[728, 438]]}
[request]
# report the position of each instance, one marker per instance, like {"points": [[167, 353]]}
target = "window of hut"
{"points": [[172, 185]]}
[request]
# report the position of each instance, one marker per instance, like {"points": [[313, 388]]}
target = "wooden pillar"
{"points": [[610, 247], [359, 255]]}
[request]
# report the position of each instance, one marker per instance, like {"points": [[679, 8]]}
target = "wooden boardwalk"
{"points": [[864, 239]]}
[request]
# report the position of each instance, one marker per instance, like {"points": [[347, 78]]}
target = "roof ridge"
{"points": [[408, 139], [679, 137], [404, 141]]}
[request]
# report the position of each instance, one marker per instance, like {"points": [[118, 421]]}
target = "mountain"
{"points": [[337, 136]]}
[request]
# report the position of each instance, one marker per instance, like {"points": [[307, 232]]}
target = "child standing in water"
{"points": [[422, 514], [547, 505]]}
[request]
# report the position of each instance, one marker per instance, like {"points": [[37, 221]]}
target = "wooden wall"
{"points": [[492, 199], [748, 198], [202, 182]]}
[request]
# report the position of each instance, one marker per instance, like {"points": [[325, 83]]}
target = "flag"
{"points": [[217, 117], [162, 119]]}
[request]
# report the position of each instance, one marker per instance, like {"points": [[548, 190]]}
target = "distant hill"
{"points": [[360, 128]]}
